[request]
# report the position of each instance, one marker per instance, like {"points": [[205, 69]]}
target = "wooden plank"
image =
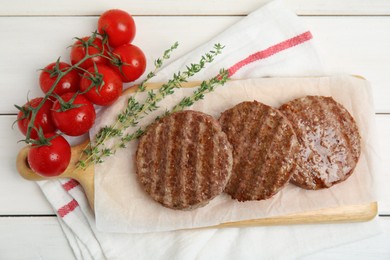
{"points": [[371, 248], [42, 238], [33, 238], [192, 7], [336, 7], [151, 7], [346, 44]]}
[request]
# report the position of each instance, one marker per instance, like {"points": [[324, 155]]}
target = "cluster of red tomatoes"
{"points": [[101, 63]]}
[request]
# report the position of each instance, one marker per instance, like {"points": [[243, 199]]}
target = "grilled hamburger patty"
{"points": [[329, 141], [263, 145], [184, 160]]}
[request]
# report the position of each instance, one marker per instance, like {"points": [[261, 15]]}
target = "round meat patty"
{"points": [[184, 160], [263, 146], [329, 141]]}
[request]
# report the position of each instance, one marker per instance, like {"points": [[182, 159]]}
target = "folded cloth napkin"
{"points": [[268, 42]]}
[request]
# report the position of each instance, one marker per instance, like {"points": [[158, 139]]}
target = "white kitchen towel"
{"points": [[269, 42]]}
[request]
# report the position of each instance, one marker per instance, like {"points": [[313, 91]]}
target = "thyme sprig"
{"points": [[204, 88], [135, 111], [97, 154], [157, 65], [198, 94]]}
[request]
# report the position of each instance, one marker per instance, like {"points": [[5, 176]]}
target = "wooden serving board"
{"points": [[350, 213]]}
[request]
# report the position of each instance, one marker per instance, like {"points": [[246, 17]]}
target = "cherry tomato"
{"points": [[68, 83], [77, 117], [93, 46], [118, 25], [130, 63], [106, 87], [52, 159], [42, 120]]}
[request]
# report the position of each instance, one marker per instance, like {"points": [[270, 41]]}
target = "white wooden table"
{"points": [[353, 36]]}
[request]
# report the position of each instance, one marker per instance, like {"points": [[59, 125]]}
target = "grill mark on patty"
{"points": [[285, 109], [273, 138], [154, 153], [165, 137], [184, 164], [230, 131], [246, 172], [207, 157], [199, 166], [289, 146], [237, 118], [223, 161], [172, 197], [225, 158], [246, 124], [192, 179], [276, 149], [233, 116]]}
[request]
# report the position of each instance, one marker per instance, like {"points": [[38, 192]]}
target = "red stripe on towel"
{"points": [[65, 210], [271, 51], [70, 185]]}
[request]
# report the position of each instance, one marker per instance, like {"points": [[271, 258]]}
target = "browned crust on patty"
{"points": [[184, 160], [329, 141], [263, 143]]}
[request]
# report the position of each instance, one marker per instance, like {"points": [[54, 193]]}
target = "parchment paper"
{"points": [[122, 206]]}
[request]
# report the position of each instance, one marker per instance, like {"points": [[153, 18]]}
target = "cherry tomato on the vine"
{"points": [[118, 25], [130, 62], [92, 45], [74, 118], [42, 120], [68, 83], [50, 159], [105, 85]]}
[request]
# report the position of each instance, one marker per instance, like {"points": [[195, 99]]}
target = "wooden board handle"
{"points": [[341, 214], [84, 176]]}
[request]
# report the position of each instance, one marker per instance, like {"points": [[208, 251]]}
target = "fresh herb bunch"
{"points": [[135, 111]]}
